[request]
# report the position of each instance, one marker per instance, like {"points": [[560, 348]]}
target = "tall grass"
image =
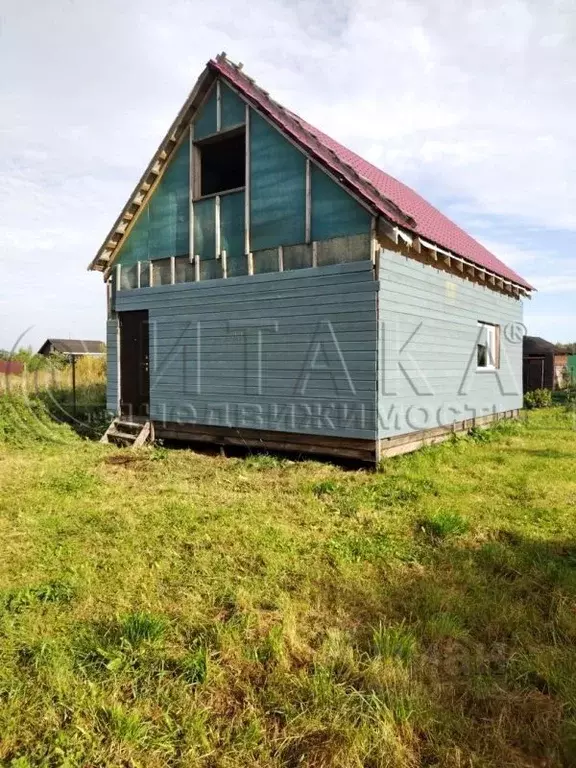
{"points": [[27, 421], [29, 400], [90, 373]]}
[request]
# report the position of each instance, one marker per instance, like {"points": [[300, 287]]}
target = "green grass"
{"points": [[442, 525], [167, 607]]}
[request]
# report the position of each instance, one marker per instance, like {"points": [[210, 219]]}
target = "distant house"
{"points": [[560, 368], [74, 347], [564, 367], [268, 287], [538, 364]]}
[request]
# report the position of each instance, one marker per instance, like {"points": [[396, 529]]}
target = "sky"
{"points": [[472, 104]]}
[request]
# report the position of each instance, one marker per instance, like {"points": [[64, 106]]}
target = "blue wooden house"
{"points": [[269, 288]]}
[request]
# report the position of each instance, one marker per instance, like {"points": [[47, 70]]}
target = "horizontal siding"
{"points": [[349, 323], [112, 365], [213, 349], [273, 305], [278, 281], [335, 291], [282, 339], [428, 331], [313, 371]]}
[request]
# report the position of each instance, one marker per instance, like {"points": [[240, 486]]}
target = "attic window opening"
{"points": [[222, 161]]}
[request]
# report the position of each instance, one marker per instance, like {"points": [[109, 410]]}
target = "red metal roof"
{"points": [[390, 197]]}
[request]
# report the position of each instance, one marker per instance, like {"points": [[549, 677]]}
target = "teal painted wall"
{"points": [[317, 347], [232, 233], [277, 188], [204, 228], [232, 108], [334, 212], [135, 246], [163, 227], [205, 121], [428, 331], [277, 201], [205, 238]]}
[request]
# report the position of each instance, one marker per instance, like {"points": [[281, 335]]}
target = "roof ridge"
{"points": [[386, 195], [222, 59]]}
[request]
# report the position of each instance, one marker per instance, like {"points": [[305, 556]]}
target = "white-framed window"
{"points": [[488, 346]]}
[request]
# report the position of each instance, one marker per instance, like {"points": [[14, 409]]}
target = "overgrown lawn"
{"points": [[168, 607]]}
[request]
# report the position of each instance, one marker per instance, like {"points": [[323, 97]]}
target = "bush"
{"points": [[539, 398]]}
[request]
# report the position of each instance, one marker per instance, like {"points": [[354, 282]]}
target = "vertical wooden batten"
{"points": [[373, 240], [247, 186], [308, 201], [217, 232], [191, 193], [218, 107]]}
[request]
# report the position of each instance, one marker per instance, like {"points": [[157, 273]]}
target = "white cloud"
{"points": [[469, 102], [556, 283]]}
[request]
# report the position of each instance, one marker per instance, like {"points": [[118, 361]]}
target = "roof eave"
{"points": [[108, 251], [413, 241]]}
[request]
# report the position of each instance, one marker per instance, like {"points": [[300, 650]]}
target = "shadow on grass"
{"points": [[473, 646], [264, 457], [467, 657], [544, 453], [495, 622], [85, 413]]}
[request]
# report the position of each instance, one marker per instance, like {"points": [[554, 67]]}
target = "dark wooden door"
{"points": [[134, 364]]}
